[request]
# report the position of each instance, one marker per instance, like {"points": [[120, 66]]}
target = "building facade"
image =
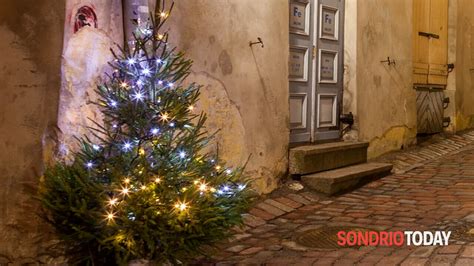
{"points": [[317, 61]]}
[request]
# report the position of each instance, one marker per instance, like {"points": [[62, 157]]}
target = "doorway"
{"points": [[315, 69]]}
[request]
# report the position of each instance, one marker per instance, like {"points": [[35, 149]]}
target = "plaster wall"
{"points": [[245, 89], [386, 100], [30, 51]]}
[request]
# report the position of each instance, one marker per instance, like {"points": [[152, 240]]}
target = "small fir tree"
{"points": [[144, 188]]}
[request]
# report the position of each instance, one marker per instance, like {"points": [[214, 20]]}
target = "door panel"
{"points": [[300, 67], [329, 66], [421, 24]]}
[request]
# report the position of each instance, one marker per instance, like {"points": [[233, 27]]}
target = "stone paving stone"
{"points": [[270, 209], [261, 214], [464, 262], [279, 205], [293, 204], [442, 260], [252, 221], [468, 252], [414, 262], [450, 249], [299, 199], [251, 250]]}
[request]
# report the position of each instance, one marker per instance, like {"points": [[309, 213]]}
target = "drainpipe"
{"points": [[134, 10]]}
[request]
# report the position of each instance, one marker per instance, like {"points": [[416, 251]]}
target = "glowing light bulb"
{"points": [[228, 171], [181, 206], [158, 61], [126, 180], [139, 82], [96, 147], [89, 165], [163, 14], [165, 117], [196, 182], [114, 126], [112, 202], [160, 36], [182, 155], [212, 189], [218, 167], [110, 216], [155, 131], [123, 84], [170, 84], [157, 180], [125, 191], [172, 124], [138, 96], [190, 108], [141, 151], [203, 187], [241, 187], [143, 187], [220, 192], [127, 146], [146, 71], [131, 61], [226, 188], [160, 82], [113, 103]]}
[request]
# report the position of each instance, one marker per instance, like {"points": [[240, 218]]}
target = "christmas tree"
{"points": [[141, 185]]}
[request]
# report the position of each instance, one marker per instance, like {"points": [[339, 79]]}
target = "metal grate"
{"points": [[325, 237]]}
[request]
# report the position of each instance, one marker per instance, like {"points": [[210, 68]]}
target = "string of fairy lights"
{"points": [[129, 186]]}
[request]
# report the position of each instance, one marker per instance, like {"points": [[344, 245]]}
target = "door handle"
{"points": [[428, 34]]}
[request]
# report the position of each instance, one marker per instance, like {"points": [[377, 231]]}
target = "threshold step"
{"points": [[321, 157], [344, 179]]}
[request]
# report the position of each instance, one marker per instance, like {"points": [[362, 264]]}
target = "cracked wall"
{"points": [[30, 49], [386, 100], [245, 88]]}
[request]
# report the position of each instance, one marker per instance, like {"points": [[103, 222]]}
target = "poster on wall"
{"points": [[327, 66], [298, 64], [299, 17], [329, 23]]}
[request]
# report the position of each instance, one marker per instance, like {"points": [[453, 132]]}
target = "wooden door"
{"points": [[430, 42], [300, 67]]}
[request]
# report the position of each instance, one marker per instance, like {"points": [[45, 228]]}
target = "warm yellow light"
{"points": [[218, 167], [163, 14], [196, 182], [190, 108], [141, 151], [165, 117], [157, 180], [125, 191], [160, 36], [203, 187], [181, 206], [123, 84], [112, 202], [212, 189], [126, 180], [143, 187], [110, 216], [184, 189]]}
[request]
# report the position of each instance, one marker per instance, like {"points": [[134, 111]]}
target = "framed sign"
{"points": [[329, 23], [299, 16], [327, 66], [298, 64], [327, 110]]}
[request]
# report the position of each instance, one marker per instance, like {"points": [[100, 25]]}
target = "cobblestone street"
{"points": [[435, 195]]}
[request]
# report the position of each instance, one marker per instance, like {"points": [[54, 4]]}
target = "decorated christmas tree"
{"points": [[142, 185]]}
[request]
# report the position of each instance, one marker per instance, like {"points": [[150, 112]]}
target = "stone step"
{"points": [[317, 158], [347, 178]]}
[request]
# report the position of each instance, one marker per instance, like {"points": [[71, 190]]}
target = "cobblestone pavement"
{"points": [[436, 195]]}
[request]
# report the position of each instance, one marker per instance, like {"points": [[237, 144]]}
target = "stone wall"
{"points": [[386, 100], [245, 89], [30, 46]]}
